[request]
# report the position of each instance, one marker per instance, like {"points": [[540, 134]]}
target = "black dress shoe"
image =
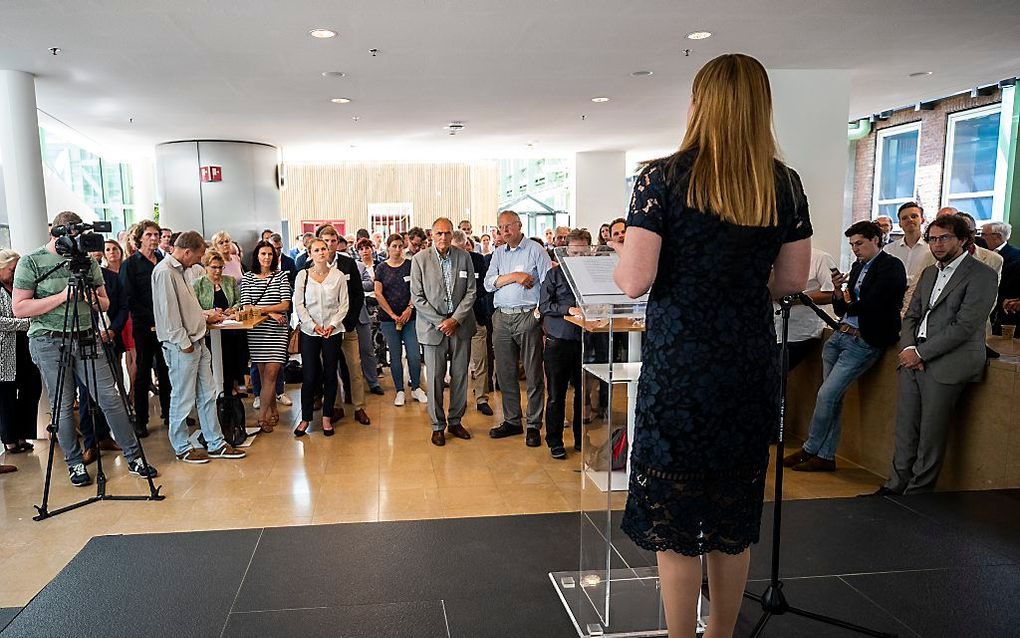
{"points": [[534, 438], [577, 446], [882, 491], [504, 430], [557, 452], [458, 431], [377, 390], [438, 438], [141, 431], [484, 409]]}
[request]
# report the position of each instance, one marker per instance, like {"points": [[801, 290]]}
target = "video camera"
{"points": [[76, 241]]}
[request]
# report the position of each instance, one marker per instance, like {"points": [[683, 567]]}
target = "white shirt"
{"points": [[915, 258], [945, 273], [323, 304], [804, 323]]}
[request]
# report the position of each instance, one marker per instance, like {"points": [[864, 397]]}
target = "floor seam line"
{"points": [[873, 602], [446, 620], [240, 585]]}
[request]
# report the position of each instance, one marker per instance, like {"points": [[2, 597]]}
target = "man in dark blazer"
{"points": [[943, 349], [997, 234], [443, 291], [869, 304]]}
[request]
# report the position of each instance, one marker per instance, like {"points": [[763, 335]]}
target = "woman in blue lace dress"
{"points": [[716, 231]]}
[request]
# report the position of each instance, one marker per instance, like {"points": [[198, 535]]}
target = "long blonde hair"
{"points": [[730, 129]]}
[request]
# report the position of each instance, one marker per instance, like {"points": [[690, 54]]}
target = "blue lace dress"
{"points": [[708, 398]]}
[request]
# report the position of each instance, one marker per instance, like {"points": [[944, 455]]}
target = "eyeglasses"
{"points": [[938, 239]]}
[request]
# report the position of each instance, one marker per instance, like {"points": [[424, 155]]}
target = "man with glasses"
{"points": [[868, 303], [514, 276], [943, 349]]}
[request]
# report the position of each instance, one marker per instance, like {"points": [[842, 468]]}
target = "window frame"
{"points": [[1001, 163], [881, 136]]}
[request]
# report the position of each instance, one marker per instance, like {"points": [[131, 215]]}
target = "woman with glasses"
{"points": [[216, 290]]}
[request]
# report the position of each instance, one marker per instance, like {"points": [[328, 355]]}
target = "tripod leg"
{"points": [[760, 627]]}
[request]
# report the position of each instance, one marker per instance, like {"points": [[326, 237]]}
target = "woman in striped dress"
{"points": [[268, 289]]}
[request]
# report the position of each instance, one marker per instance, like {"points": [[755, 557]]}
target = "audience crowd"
{"points": [[476, 313]]}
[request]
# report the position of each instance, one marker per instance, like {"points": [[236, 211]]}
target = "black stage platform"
{"points": [[939, 565]]}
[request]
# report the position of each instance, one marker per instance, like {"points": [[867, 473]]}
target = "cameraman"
{"points": [[44, 302]]}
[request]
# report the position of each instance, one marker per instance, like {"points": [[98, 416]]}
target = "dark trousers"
{"points": [[798, 351], [87, 410], [19, 403], [562, 368], [235, 355], [149, 353], [319, 359]]}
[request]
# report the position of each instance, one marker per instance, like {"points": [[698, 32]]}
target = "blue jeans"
{"points": [[844, 358], [408, 336], [46, 355], [193, 387]]}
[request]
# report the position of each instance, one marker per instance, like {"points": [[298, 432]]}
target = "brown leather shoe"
{"points": [[796, 458], [361, 417], [88, 457], [816, 464], [459, 431], [438, 438], [109, 445]]}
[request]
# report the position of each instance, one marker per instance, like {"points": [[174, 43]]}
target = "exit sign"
{"points": [[211, 173]]}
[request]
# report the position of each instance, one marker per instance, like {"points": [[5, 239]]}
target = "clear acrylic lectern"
{"points": [[615, 590]]}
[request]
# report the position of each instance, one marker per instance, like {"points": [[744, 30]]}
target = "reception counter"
{"points": [[984, 444]]}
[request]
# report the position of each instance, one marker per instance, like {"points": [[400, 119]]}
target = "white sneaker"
{"points": [[400, 399], [283, 399], [419, 395], [257, 403]]}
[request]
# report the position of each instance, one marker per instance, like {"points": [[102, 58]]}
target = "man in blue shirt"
{"points": [[514, 276]]}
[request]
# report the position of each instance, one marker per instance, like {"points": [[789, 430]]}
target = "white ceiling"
{"points": [[515, 71]]}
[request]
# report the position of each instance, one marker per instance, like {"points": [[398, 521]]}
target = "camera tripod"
{"points": [[773, 600], [80, 342]]}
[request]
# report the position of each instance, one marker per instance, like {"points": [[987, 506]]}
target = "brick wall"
{"points": [[932, 140]]}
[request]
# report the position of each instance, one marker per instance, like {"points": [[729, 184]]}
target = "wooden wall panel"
{"points": [[345, 190]]}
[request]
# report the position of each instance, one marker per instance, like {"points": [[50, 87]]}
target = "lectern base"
{"points": [[635, 607]]}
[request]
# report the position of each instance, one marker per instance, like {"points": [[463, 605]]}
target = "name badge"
{"points": [[463, 274], [476, 275], [407, 278]]}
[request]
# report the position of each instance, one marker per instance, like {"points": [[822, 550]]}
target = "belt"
{"points": [[518, 310], [849, 330], [57, 334]]}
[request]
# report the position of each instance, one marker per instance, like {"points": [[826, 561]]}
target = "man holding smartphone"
{"points": [[868, 303]]}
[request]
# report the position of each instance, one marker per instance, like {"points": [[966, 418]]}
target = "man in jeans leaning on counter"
{"points": [[181, 329], [869, 305]]}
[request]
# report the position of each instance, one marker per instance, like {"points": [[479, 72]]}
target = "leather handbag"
{"points": [[230, 411]]}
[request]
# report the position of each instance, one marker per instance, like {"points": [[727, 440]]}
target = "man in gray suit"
{"points": [[943, 349], [443, 292]]}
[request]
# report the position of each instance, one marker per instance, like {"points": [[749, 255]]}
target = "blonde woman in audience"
{"points": [[223, 244], [320, 303], [216, 290]]}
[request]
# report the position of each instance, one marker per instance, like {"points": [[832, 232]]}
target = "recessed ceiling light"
{"points": [[600, 99], [340, 100], [920, 74], [322, 33], [333, 74], [641, 74], [699, 35]]}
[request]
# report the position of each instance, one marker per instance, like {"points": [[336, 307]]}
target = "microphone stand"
{"points": [[773, 600]]}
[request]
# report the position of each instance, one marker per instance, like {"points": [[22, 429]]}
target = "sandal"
{"points": [[264, 426], [274, 420]]}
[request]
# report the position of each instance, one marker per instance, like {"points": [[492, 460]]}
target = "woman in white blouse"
{"points": [[320, 304]]}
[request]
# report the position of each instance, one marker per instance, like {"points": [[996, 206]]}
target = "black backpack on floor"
{"points": [[230, 411]]}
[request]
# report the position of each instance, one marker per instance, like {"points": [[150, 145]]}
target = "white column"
{"points": [[21, 158], [143, 175], [600, 189], [810, 110]]}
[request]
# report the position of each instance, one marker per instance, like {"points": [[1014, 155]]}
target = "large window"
{"points": [[975, 168], [895, 168], [104, 185]]}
